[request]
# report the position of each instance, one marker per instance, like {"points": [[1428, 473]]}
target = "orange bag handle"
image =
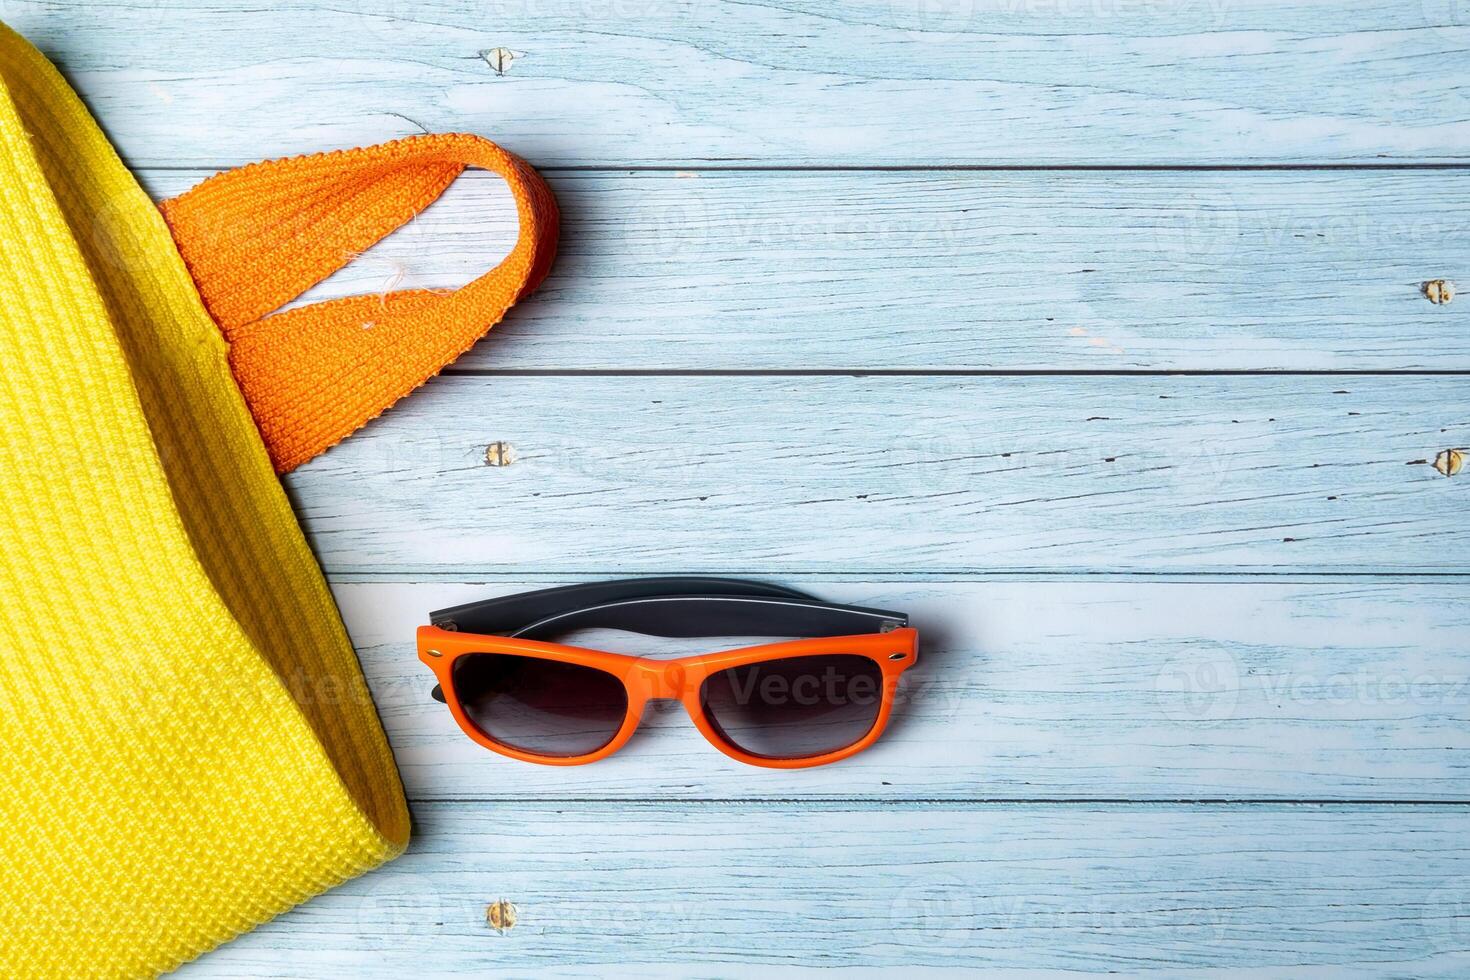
{"points": [[258, 237]]}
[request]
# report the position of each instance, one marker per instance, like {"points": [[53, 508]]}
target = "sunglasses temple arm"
{"points": [[506, 614]]}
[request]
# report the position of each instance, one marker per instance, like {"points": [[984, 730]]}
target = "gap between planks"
{"points": [[452, 371], [1279, 577], [716, 166], [867, 802]]}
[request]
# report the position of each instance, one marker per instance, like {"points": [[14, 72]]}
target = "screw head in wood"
{"points": [[1438, 291], [500, 915], [499, 454]]}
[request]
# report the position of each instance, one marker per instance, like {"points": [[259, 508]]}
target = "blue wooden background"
{"points": [[1090, 331]]}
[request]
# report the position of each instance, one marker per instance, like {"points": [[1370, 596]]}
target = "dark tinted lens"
{"points": [[541, 706], [795, 708]]}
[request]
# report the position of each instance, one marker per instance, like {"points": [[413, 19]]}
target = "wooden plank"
{"points": [[1027, 690], [698, 889], [792, 83], [858, 475], [1028, 270]]}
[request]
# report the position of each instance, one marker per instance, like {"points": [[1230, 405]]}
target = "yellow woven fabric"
{"points": [[187, 746]]}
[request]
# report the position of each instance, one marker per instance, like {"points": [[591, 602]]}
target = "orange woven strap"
{"points": [[258, 237]]}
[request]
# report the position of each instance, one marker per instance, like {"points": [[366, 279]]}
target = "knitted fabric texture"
{"points": [[187, 745], [258, 237]]}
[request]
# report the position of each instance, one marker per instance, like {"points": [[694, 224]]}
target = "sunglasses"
{"points": [[801, 702]]}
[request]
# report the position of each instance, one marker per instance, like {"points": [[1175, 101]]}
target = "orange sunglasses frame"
{"points": [[681, 679]]}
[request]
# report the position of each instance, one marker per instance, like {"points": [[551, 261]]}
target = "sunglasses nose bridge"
{"points": [[661, 679]]}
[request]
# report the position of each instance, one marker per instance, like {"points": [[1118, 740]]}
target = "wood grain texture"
{"points": [[929, 474], [956, 271], [1027, 690], [995, 508], [798, 82], [720, 890]]}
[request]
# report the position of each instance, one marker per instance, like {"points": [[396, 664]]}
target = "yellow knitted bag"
{"points": [[187, 746]]}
